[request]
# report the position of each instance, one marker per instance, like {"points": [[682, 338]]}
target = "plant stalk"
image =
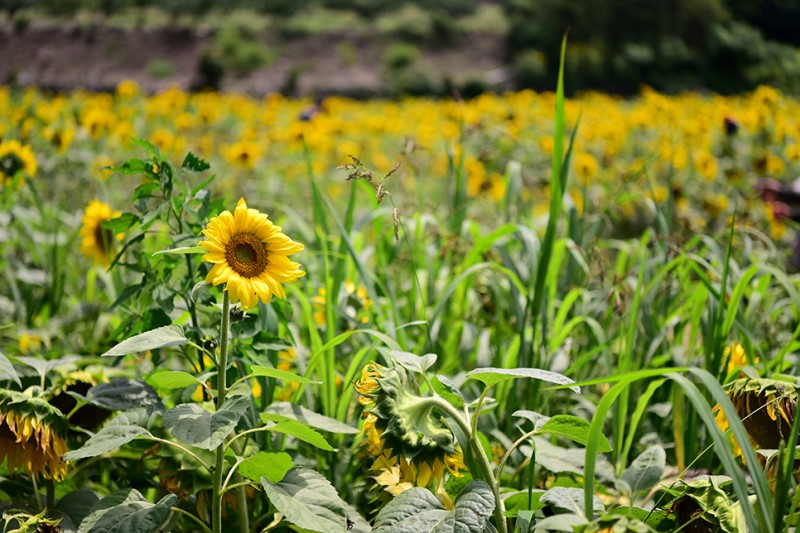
{"points": [[216, 498], [480, 458]]}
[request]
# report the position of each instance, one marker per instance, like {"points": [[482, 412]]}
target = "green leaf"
{"points": [[154, 339], [570, 499], [412, 362], [109, 438], [573, 428], [492, 376], [78, 504], [561, 522], [271, 465], [127, 511], [172, 379], [645, 471], [308, 500], [131, 166], [410, 511], [284, 410], [183, 250], [303, 433], [193, 425], [7, 370], [257, 370], [474, 506], [194, 163], [417, 510], [447, 390], [121, 223], [122, 394]]}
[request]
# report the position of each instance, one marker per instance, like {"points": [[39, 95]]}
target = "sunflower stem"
{"points": [[480, 458], [216, 504]]}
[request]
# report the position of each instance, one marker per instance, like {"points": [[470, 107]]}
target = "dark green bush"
{"points": [[400, 55]]}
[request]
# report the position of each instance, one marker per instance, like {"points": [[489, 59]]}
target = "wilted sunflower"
{"points": [[97, 242], [249, 254], [32, 435], [411, 443], [16, 157]]}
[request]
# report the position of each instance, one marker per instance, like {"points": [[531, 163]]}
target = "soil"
{"points": [[96, 58]]}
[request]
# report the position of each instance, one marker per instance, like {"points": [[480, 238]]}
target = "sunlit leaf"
{"points": [[162, 337], [193, 425]]}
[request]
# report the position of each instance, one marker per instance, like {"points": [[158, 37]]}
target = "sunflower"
{"points": [[16, 157], [32, 435], [249, 254], [412, 446], [97, 242]]}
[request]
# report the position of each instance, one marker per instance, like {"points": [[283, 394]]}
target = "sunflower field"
{"points": [[515, 313]]}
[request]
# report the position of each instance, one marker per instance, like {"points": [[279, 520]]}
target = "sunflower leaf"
{"points": [[183, 250], [271, 465], [308, 500], [303, 433], [193, 425], [7, 370], [172, 379], [573, 428], [412, 362], [122, 393], [492, 376], [109, 438], [288, 411], [256, 370], [194, 163], [120, 223], [154, 339], [127, 511], [645, 471]]}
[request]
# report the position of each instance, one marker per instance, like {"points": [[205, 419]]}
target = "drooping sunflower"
{"points": [[16, 157], [32, 435], [411, 444], [97, 242], [250, 255]]}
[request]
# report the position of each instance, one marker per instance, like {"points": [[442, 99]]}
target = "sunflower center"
{"points": [[10, 164], [246, 255], [104, 238]]}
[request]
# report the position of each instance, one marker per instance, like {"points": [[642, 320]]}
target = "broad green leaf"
{"points": [[162, 337], [78, 504], [284, 410], [271, 465], [492, 376], [538, 419], [308, 500], [561, 522], [447, 390], [412, 362], [127, 511], [645, 471], [172, 379], [121, 223], [570, 499], [193, 425], [109, 438], [257, 370], [302, 432], [415, 510], [183, 250], [573, 428], [194, 163], [7, 370], [122, 394], [474, 506], [518, 501]]}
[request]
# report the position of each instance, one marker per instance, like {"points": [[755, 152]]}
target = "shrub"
{"points": [[400, 55]]}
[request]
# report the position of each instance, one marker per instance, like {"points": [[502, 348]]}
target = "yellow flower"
{"points": [[249, 254], [32, 436], [127, 89], [29, 342], [585, 167], [244, 154], [16, 157], [97, 242], [737, 356]]}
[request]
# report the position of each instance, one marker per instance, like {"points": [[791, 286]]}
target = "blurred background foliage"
{"points": [[725, 46]]}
